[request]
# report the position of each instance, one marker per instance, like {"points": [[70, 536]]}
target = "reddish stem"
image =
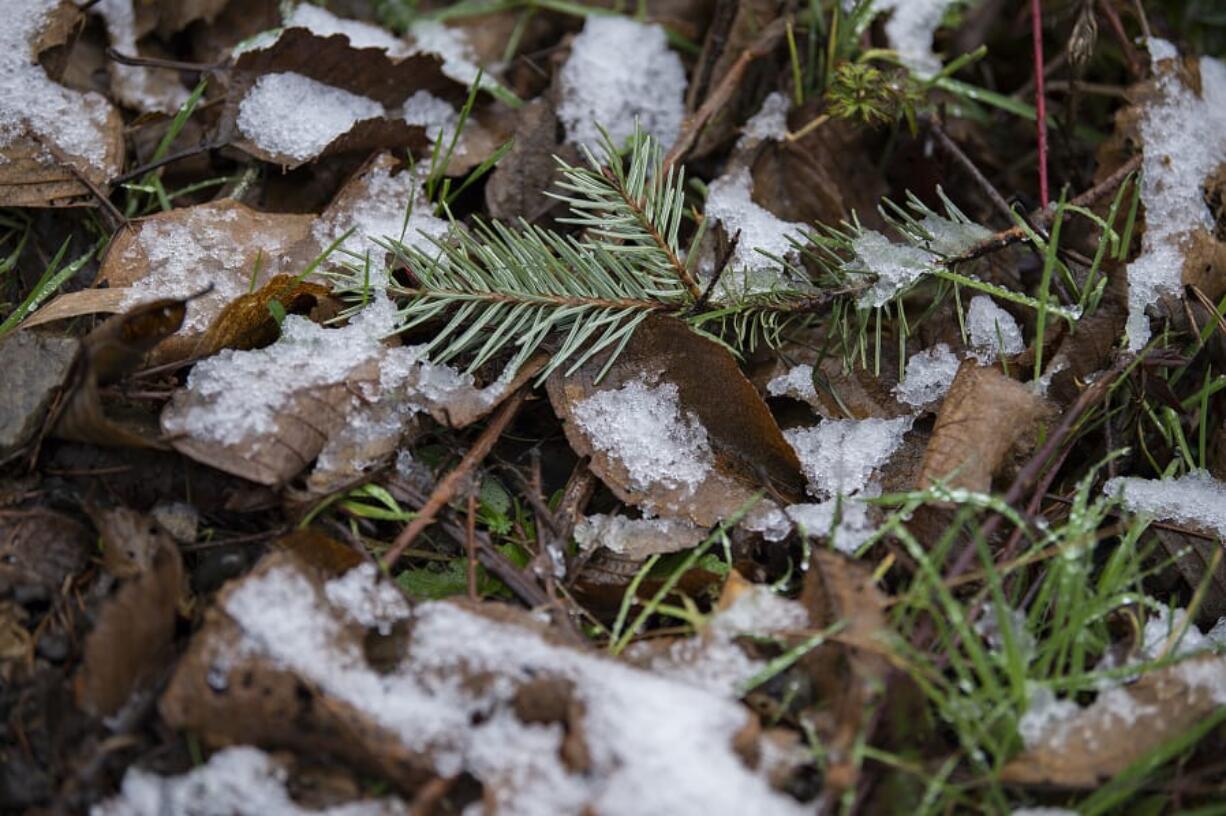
{"points": [[1040, 98]]}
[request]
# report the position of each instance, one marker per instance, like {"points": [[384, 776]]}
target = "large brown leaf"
{"points": [[748, 452]]}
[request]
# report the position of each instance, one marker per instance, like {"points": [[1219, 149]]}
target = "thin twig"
{"points": [[721, 264], [450, 484], [955, 152], [645, 223], [1135, 65], [470, 544], [116, 219], [1040, 98], [165, 160], [157, 62]]}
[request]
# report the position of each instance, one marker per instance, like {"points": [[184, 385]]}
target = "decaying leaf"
{"points": [[662, 439], [224, 245], [76, 304], [248, 321], [984, 414], [134, 627], [106, 354], [38, 550], [282, 660], [1080, 747], [35, 366], [516, 188], [51, 137]]}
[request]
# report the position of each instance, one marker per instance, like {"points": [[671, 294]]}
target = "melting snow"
{"points": [[320, 21], [770, 122], [910, 29], [619, 71], [638, 537], [992, 330], [730, 203], [146, 89], [1184, 139], [656, 745], [437, 116], [1195, 498], [365, 599], [31, 102], [895, 266], [238, 781], [839, 457], [928, 375], [292, 115], [452, 45], [796, 383], [643, 426]]}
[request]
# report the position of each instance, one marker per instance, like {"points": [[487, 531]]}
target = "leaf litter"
{"points": [[632, 415]]}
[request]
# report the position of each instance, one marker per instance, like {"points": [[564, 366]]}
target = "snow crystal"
{"points": [[640, 537], [928, 375], [797, 383], [452, 45], [196, 249], [237, 781], [729, 202], [1159, 629], [1184, 140], [1195, 498], [31, 103], [839, 457], [844, 520], [619, 71], [770, 122], [644, 427], [990, 326], [895, 266], [379, 214], [239, 393], [366, 600], [1046, 718], [292, 115], [656, 745], [948, 237], [320, 21], [910, 30], [438, 116], [145, 89]]}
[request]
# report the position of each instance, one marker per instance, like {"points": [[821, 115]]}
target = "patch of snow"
{"points": [[1184, 140], [796, 383], [379, 214], [620, 71], [241, 392], [636, 536], [293, 115], [656, 745], [910, 29], [839, 457], [319, 20], [894, 266], [31, 103], [145, 89], [1160, 49], [770, 122], [645, 428], [928, 375], [1195, 498], [949, 237], [1046, 718], [366, 600], [730, 203], [194, 250], [438, 116], [237, 781], [990, 326], [844, 520], [452, 45], [1161, 627]]}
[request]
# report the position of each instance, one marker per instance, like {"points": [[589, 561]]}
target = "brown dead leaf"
{"points": [[134, 627], [984, 414], [1085, 746], [34, 165], [248, 321], [516, 188], [179, 253], [749, 451], [320, 551], [38, 550], [76, 304]]}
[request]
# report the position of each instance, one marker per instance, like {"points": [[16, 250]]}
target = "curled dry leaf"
{"points": [[675, 428], [1081, 747], [224, 245], [984, 415], [135, 626], [35, 366], [248, 321], [51, 137], [517, 187], [283, 660]]}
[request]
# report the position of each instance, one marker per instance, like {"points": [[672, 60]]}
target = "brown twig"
{"points": [[165, 160], [158, 62], [718, 98], [1040, 97], [450, 484], [721, 264], [116, 219], [1135, 65], [956, 153], [470, 544]]}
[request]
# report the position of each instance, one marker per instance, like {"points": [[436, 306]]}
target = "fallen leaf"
{"points": [[248, 321], [35, 367], [76, 304], [984, 414], [133, 630], [1085, 746], [38, 550], [517, 187], [724, 448]]}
